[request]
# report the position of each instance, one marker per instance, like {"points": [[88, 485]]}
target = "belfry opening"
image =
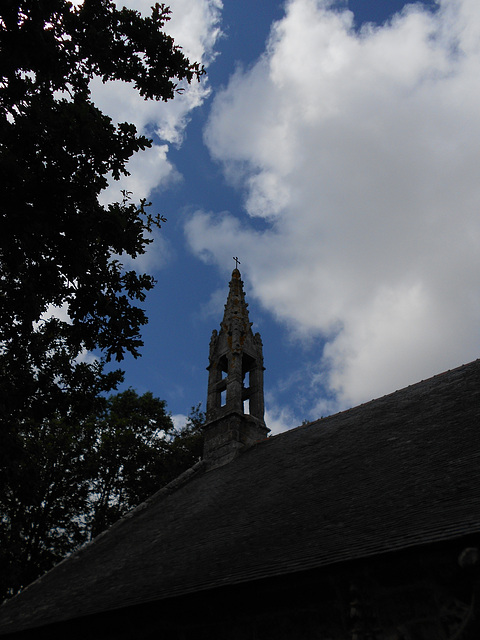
{"points": [[235, 399]]}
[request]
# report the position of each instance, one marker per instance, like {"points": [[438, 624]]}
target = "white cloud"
{"points": [[157, 254], [279, 419], [149, 170], [179, 420], [194, 25], [361, 151]]}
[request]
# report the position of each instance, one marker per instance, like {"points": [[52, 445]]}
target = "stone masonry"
{"points": [[235, 404]]}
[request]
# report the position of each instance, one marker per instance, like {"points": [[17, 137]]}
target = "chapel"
{"points": [[364, 525]]}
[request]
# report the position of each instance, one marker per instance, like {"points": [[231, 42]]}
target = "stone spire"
{"points": [[235, 404]]}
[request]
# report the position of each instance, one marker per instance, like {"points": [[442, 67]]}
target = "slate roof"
{"points": [[396, 472]]}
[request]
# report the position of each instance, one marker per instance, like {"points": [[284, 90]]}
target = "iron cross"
{"points": [[237, 262]]}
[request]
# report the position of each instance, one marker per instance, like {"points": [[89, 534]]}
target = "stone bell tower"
{"points": [[235, 404]]}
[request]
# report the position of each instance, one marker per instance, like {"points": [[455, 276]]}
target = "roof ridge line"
{"points": [[311, 423], [169, 488], [166, 490]]}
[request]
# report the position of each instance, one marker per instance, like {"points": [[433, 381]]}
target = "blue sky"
{"points": [[332, 148]]}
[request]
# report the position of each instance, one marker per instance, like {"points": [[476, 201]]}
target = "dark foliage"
{"points": [[76, 479], [59, 248], [58, 243], [137, 451]]}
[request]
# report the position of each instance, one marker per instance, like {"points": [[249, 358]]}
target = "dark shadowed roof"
{"points": [[395, 472]]}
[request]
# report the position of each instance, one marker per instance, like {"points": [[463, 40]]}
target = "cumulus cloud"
{"points": [[359, 151], [278, 419], [157, 254], [179, 420], [194, 25], [149, 170]]}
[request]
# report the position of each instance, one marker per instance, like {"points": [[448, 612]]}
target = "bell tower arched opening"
{"points": [[235, 404]]}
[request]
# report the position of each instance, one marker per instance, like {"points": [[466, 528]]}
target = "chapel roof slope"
{"points": [[393, 473]]}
